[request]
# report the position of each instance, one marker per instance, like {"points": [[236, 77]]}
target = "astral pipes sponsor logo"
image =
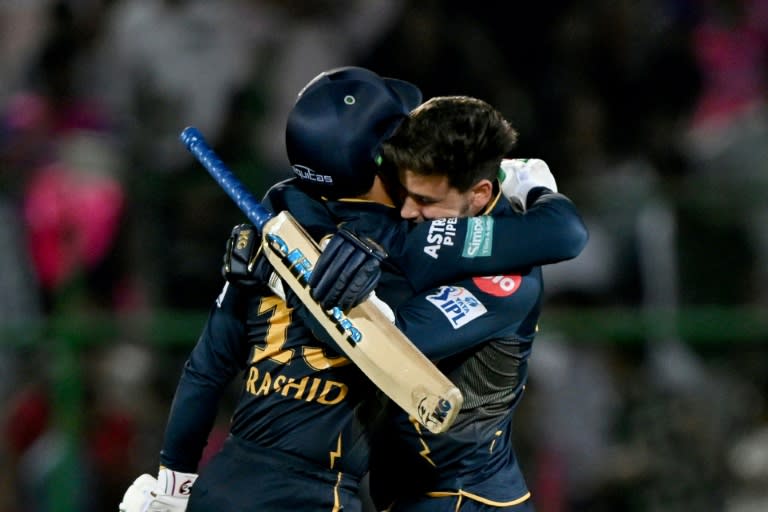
{"points": [[441, 232], [308, 174], [479, 239]]}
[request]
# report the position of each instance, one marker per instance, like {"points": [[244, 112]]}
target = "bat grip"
{"points": [[250, 206]]}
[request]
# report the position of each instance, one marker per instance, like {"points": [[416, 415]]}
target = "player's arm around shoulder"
{"points": [[310, 212], [530, 183], [504, 240]]}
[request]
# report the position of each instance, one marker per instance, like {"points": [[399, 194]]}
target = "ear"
{"points": [[481, 194]]}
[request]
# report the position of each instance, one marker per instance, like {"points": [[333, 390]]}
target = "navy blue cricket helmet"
{"points": [[337, 125]]}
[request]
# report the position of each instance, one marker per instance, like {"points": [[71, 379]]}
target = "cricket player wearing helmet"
{"points": [[300, 435]]}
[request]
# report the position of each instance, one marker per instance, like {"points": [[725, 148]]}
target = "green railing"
{"points": [[695, 325], [65, 337]]}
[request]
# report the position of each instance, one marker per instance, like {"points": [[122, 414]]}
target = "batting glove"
{"points": [[244, 265], [518, 176], [347, 270], [169, 492]]}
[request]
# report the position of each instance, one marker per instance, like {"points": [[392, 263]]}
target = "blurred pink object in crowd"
{"points": [[72, 219]]}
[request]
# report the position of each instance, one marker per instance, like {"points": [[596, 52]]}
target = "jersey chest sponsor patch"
{"points": [[478, 241], [457, 304], [441, 233]]}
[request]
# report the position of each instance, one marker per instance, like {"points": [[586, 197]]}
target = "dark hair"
{"points": [[460, 137]]}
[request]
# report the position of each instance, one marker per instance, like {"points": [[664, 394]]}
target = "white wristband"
{"points": [[175, 483]]}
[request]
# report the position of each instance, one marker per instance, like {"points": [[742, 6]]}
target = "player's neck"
{"points": [[378, 193]]}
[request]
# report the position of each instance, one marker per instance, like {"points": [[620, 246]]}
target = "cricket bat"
{"points": [[386, 356]]}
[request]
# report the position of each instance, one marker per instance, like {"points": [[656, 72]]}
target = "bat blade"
{"points": [[365, 335], [386, 356]]}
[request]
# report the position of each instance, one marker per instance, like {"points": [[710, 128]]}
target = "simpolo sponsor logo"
{"points": [[308, 174], [479, 239]]}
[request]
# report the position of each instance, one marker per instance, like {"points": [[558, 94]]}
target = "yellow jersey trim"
{"points": [[357, 200], [492, 204], [465, 494]]}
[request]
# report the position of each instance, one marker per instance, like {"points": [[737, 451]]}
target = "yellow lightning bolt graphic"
{"points": [[336, 453], [426, 451]]}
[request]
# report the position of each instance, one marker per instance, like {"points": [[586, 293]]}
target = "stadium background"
{"points": [[649, 376]]}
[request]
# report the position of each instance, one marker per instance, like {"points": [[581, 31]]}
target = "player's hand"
{"points": [[520, 175], [347, 270], [244, 265], [169, 492]]}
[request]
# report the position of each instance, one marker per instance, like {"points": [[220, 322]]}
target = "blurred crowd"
{"points": [[652, 114]]}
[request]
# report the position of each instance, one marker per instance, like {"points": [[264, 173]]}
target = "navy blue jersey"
{"points": [[480, 332], [292, 391], [299, 432], [301, 398]]}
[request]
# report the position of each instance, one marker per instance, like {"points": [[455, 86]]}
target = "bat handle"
{"points": [[196, 144]]}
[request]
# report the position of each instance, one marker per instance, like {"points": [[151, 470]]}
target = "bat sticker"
{"points": [[301, 269], [437, 415]]}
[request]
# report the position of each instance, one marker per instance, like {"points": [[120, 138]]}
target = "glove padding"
{"points": [[169, 492], [244, 265], [518, 176], [347, 270]]}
